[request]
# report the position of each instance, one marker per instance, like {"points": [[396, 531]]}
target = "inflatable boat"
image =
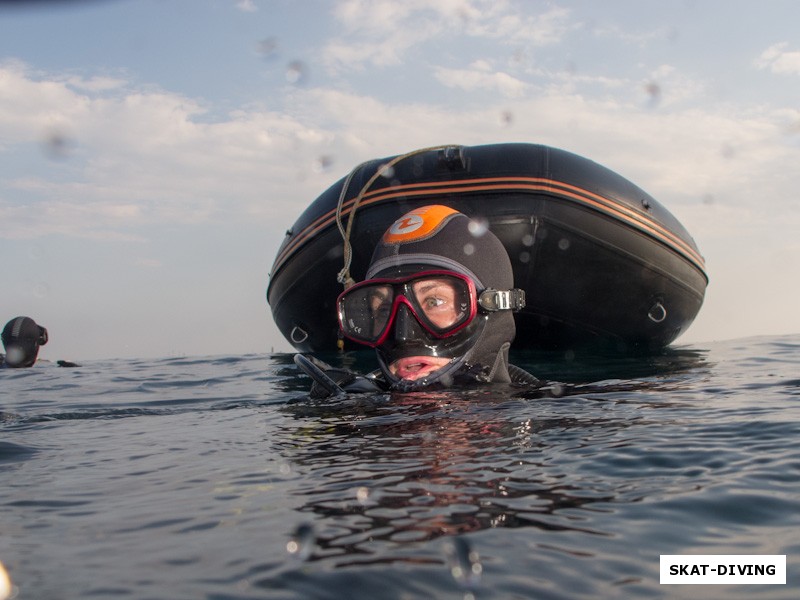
{"points": [[603, 264]]}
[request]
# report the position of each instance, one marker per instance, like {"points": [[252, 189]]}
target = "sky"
{"points": [[154, 152]]}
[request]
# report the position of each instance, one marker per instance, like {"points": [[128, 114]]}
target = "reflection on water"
{"points": [[393, 468]]}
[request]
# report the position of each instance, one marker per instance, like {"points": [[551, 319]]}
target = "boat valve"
{"points": [[453, 158]]}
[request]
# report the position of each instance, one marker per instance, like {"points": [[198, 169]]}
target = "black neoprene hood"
{"points": [[449, 240], [21, 340]]}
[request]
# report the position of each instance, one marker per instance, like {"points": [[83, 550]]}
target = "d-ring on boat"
{"points": [[602, 263]]}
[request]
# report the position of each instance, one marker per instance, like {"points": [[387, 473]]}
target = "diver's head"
{"points": [[437, 301], [22, 338]]}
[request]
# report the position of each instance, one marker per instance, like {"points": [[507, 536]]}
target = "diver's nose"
{"points": [[406, 327]]}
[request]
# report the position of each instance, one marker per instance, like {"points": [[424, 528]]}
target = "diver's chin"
{"points": [[413, 368]]}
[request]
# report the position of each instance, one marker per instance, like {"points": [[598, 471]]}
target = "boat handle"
{"points": [[657, 313], [298, 335]]}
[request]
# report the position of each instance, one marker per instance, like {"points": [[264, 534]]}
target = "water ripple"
{"points": [[192, 478]]}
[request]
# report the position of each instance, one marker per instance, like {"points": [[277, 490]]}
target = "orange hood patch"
{"points": [[418, 224]]}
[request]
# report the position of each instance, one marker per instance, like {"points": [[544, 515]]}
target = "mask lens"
{"points": [[365, 311], [442, 302]]}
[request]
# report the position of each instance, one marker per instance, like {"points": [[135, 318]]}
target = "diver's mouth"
{"points": [[417, 367]]}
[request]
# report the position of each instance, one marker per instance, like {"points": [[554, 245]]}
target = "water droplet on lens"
{"points": [[727, 151], [524, 257], [653, 91], [362, 495], [478, 227], [464, 562], [296, 72], [469, 249], [5, 584], [323, 163], [386, 171], [301, 542], [58, 145], [15, 355], [563, 244], [41, 290], [268, 47], [527, 240]]}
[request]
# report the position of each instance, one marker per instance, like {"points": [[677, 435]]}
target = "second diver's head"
{"points": [[437, 301], [22, 338]]}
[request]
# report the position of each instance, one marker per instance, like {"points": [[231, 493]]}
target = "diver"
{"points": [[22, 338], [436, 305]]}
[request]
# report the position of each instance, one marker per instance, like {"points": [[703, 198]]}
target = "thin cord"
{"points": [[344, 276]]}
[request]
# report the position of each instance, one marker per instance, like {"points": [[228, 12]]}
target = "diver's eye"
{"points": [[433, 302]]}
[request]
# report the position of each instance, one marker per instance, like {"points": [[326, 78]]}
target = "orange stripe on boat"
{"points": [[611, 207]]}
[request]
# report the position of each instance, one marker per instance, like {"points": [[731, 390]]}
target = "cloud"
{"points": [[375, 45], [383, 32], [636, 38], [480, 76], [777, 59], [247, 6], [145, 158], [505, 21], [476, 18], [95, 84], [148, 263], [668, 88], [135, 157], [375, 16]]}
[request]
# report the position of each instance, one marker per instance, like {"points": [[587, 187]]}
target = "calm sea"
{"points": [[216, 478]]}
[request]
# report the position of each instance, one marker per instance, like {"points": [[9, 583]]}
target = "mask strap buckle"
{"points": [[494, 300]]}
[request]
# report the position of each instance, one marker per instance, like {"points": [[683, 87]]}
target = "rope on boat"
{"points": [[344, 276]]}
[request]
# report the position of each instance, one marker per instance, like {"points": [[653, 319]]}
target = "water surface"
{"points": [[216, 477]]}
